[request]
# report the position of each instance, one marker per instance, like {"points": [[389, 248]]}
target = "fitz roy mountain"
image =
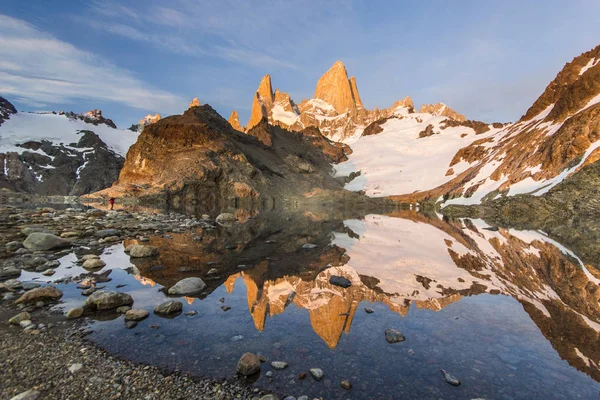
{"points": [[330, 146]]}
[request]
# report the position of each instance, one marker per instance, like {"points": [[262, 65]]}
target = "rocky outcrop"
{"points": [[234, 121], [6, 109], [216, 163], [440, 109], [194, 103]]}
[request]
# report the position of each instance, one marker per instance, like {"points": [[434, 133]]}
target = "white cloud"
{"points": [[37, 69]]}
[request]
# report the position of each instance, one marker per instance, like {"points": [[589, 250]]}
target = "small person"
{"points": [[112, 202]]}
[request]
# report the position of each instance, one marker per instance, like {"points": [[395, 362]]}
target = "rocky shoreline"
{"points": [[44, 353]]}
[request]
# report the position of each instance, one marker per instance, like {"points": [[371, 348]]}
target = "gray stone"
{"points": [[74, 368], [28, 230], [226, 218], [49, 272], [340, 281], [14, 246], [40, 294], [123, 309], [45, 241], [16, 320], [309, 246], [74, 313], [187, 287], [394, 336], [136, 315], [130, 324], [279, 365], [94, 263], [317, 373], [26, 323], [9, 272], [369, 310], [89, 257], [169, 307], [103, 233], [248, 365], [103, 300], [140, 251], [28, 395]]}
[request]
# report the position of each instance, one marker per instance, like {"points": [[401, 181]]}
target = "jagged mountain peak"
{"points": [[150, 119], [335, 88]]}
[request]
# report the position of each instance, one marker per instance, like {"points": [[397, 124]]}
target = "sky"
{"points": [[487, 60]]}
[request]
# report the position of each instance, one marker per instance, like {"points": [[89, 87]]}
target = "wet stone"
{"points": [[394, 336], [317, 373], [450, 379], [340, 281], [248, 365]]}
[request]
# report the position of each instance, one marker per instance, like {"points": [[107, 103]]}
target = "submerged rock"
{"points": [[248, 365], [225, 218], [449, 378], [346, 385], [317, 373], [279, 365], [394, 336]]}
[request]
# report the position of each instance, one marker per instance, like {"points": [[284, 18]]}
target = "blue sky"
{"points": [[487, 60]]}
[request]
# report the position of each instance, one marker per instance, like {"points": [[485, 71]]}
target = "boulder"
{"points": [[28, 395], [249, 364], [93, 263], [136, 315], [141, 250], [14, 246], [28, 230], [9, 272], [103, 300], [74, 313], [226, 218], [187, 287], [16, 320], [168, 307], [40, 294], [394, 336], [103, 233], [45, 241]]}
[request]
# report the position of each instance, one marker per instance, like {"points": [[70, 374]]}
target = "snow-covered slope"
{"points": [[401, 159], [58, 129], [557, 136], [61, 154]]}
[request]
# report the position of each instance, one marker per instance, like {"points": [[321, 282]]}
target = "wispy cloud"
{"points": [[39, 69]]}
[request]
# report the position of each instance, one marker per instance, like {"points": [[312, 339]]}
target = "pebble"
{"points": [[317, 373], [346, 385], [369, 310], [74, 368], [279, 365], [394, 336]]}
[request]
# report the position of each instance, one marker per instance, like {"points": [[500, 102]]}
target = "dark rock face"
{"points": [[75, 169], [6, 109], [93, 117], [185, 158]]}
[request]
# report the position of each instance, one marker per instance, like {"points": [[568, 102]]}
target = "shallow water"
{"points": [[512, 314]]}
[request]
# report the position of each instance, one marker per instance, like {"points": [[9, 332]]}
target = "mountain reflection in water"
{"points": [[404, 261]]}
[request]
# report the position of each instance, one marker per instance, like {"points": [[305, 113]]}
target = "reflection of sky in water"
{"points": [[489, 342]]}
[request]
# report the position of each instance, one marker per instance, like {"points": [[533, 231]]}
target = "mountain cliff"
{"points": [[198, 157]]}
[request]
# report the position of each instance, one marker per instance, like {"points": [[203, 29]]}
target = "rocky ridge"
{"points": [[216, 163], [336, 108], [60, 154]]}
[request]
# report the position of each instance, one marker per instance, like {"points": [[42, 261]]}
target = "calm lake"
{"points": [[512, 314]]}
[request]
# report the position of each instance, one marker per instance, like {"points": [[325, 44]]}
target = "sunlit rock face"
{"points": [[199, 157], [402, 260], [336, 109]]}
